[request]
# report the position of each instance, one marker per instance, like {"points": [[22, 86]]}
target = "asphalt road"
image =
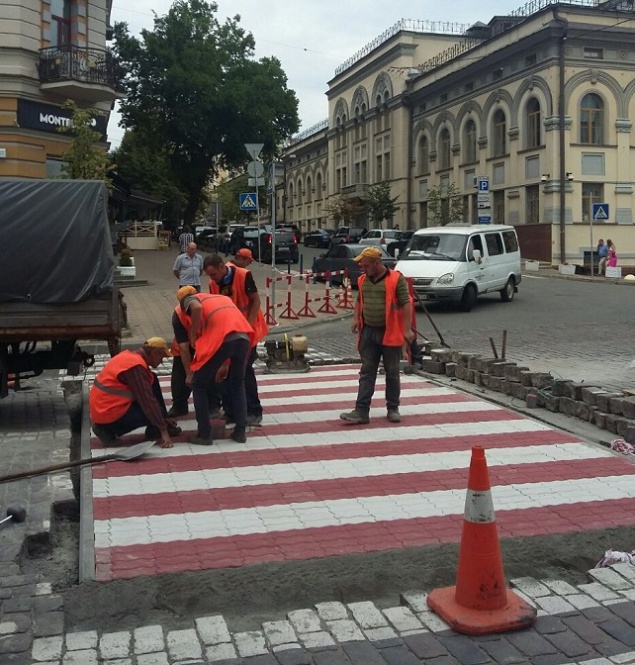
{"points": [[575, 329]]}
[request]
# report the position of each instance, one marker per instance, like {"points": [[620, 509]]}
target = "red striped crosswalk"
{"points": [[307, 485]]}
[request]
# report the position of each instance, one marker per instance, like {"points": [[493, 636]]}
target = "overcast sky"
{"points": [[312, 37]]}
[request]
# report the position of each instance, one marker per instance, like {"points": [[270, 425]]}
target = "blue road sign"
{"points": [[600, 212], [484, 219], [483, 183], [248, 201]]}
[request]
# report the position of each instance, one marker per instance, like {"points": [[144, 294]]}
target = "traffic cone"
{"points": [[480, 603]]}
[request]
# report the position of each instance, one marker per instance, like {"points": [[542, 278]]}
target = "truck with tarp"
{"points": [[57, 271]]}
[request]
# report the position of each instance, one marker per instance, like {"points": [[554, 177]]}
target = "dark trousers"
{"points": [[237, 352], [371, 351], [181, 391], [254, 408], [134, 417]]}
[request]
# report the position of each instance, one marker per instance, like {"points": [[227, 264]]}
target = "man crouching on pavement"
{"points": [[126, 395], [383, 319]]}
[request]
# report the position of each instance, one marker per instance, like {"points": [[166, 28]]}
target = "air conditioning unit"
{"points": [[475, 182]]}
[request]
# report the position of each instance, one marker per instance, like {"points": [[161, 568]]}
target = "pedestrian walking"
{"points": [[221, 338], [602, 251], [126, 395], [238, 284], [188, 268], [383, 320], [185, 238], [611, 255]]}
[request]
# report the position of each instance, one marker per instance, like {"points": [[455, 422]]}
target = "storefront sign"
{"points": [[47, 118]]}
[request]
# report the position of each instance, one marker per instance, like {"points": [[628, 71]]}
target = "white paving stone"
{"points": [[402, 619], [530, 587], [279, 632], [626, 570], [43, 589], [367, 615], [183, 644], [85, 639], [624, 657], [582, 601], [286, 647], [609, 578], [8, 627], [432, 622], [119, 661], [554, 605], [560, 587], [148, 639], [159, 658], [416, 600], [223, 651], [316, 640], [47, 648], [305, 621], [332, 611], [345, 630], [598, 591], [115, 645], [83, 657], [213, 630], [250, 643], [378, 634]]}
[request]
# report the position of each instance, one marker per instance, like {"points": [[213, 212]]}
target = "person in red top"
{"points": [[238, 284], [221, 338], [383, 321], [126, 395]]}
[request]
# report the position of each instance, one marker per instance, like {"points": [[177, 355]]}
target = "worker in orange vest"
{"points": [[383, 321], [238, 284], [126, 395], [243, 258], [222, 339]]}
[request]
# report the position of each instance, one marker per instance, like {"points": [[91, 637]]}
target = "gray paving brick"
{"points": [[548, 624], [570, 644], [425, 646], [598, 614], [502, 651], [400, 655], [49, 623], [23, 658], [620, 630], [48, 603], [15, 643], [550, 659], [331, 658], [531, 643], [264, 659], [18, 605], [444, 660], [464, 649], [625, 611], [363, 653], [294, 657]]}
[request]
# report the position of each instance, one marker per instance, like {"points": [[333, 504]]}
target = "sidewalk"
{"points": [[150, 307]]}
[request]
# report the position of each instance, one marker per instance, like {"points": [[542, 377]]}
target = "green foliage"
{"points": [[380, 205], [147, 167], [84, 159], [445, 204], [345, 212], [228, 195], [194, 87]]}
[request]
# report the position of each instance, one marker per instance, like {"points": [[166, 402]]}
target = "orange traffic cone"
{"points": [[480, 603]]}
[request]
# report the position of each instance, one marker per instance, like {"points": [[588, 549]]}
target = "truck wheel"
{"points": [[468, 300], [507, 294]]}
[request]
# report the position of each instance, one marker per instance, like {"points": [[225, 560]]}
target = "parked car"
{"points": [[286, 247], [459, 263], [290, 227], [319, 238], [204, 233], [400, 244], [342, 257], [380, 236], [347, 234], [247, 236]]}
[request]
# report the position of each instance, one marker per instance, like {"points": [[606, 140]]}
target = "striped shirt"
{"points": [[184, 240], [374, 313]]}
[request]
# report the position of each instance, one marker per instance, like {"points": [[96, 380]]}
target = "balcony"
{"points": [[81, 74], [358, 191]]}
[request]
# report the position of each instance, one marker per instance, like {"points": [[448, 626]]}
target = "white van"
{"points": [[458, 263]]}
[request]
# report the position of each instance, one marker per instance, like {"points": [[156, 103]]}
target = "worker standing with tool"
{"points": [[383, 321], [238, 284]]}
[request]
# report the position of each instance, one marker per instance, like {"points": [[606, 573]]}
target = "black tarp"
{"points": [[55, 244]]}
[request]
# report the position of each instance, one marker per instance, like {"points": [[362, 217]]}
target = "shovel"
{"points": [[125, 455]]}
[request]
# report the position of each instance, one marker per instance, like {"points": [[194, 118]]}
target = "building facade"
{"points": [[51, 51], [538, 104]]}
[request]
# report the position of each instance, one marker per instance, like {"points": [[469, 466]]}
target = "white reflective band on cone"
{"points": [[479, 507]]}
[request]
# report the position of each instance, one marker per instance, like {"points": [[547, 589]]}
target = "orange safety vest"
{"points": [[186, 321], [220, 317], [393, 335], [109, 398], [241, 300]]}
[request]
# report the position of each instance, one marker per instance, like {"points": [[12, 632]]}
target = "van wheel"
{"points": [[507, 294], [468, 299]]}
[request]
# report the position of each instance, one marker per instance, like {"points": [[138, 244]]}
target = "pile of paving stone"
{"points": [[612, 411]]}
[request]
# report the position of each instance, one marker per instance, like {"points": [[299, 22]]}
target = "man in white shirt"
{"points": [[188, 268]]}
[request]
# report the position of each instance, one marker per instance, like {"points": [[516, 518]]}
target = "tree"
{"points": [[84, 159], [345, 212], [380, 205], [148, 168], [445, 204], [194, 88]]}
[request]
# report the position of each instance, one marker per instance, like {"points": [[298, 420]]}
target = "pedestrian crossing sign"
{"points": [[248, 201], [600, 212]]}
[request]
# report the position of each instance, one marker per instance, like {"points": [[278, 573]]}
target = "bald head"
{"points": [[191, 249]]}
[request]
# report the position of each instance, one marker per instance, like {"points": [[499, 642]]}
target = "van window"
{"points": [[494, 244], [475, 243], [511, 241], [436, 247]]}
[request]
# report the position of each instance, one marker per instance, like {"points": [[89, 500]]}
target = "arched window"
{"points": [[289, 201], [469, 141], [318, 186], [592, 119], [309, 193], [299, 191], [423, 158], [500, 133], [532, 120], [444, 149]]}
